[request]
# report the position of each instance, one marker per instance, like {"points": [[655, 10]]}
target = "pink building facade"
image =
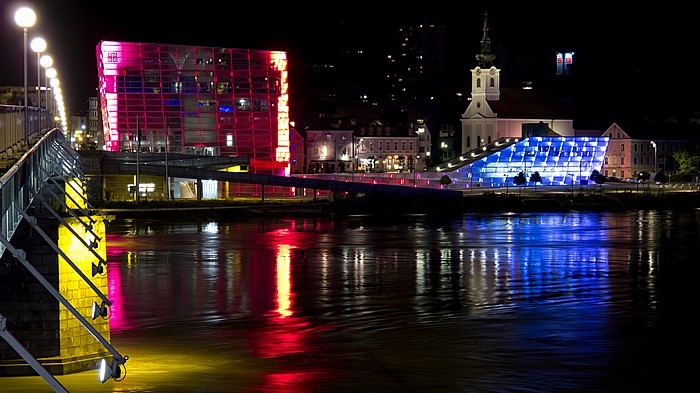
{"points": [[196, 100]]}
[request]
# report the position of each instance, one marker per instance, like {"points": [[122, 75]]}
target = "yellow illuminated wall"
{"points": [[76, 197], [76, 342]]}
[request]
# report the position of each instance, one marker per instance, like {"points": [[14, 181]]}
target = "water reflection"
{"points": [[558, 292], [578, 302]]}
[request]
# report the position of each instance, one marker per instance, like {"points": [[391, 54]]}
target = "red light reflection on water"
{"points": [[284, 281], [266, 288], [114, 284], [287, 338]]}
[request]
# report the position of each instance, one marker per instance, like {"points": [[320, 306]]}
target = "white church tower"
{"points": [[479, 127], [496, 112]]}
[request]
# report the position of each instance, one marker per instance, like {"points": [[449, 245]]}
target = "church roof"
{"points": [[518, 103]]}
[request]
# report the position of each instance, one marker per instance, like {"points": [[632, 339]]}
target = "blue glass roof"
{"points": [[558, 160]]}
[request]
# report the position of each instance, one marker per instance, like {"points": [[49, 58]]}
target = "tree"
{"points": [[445, 180], [643, 176], [536, 178], [594, 175], [688, 161], [661, 178], [520, 179]]}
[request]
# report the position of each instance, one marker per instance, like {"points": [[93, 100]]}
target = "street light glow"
{"points": [[25, 17], [46, 61], [38, 44]]}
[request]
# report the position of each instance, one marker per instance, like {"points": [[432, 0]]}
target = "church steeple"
{"points": [[485, 58]]}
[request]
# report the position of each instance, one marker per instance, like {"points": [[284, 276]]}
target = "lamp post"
{"points": [[415, 168], [25, 18], [38, 45], [46, 61], [50, 104], [653, 144], [55, 90], [354, 159]]}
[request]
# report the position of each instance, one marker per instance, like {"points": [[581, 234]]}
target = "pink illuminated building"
{"points": [[196, 100]]}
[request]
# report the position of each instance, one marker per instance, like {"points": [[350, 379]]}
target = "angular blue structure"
{"points": [[559, 160]]}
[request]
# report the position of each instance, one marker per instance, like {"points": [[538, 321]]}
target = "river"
{"points": [[527, 302]]}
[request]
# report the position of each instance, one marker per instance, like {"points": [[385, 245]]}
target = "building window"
{"points": [[478, 83], [493, 83], [622, 147]]}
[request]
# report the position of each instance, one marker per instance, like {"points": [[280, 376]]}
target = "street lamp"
{"points": [[55, 91], [46, 61], [38, 45], [49, 74], [25, 18], [653, 144], [415, 169]]}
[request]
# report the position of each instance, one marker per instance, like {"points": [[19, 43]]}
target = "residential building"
{"points": [[385, 149], [297, 153], [629, 155], [329, 150]]}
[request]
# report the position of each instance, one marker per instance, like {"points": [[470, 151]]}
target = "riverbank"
{"points": [[488, 202]]}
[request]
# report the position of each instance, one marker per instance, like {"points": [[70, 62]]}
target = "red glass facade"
{"points": [[197, 100]]}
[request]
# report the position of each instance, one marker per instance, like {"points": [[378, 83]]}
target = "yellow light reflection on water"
{"points": [[284, 281]]}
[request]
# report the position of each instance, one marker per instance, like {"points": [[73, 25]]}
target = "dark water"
{"points": [[539, 302]]}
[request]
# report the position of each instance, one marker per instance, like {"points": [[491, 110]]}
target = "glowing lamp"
{"points": [[113, 371]]}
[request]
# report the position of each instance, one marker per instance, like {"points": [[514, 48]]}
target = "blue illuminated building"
{"points": [[558, 160]]}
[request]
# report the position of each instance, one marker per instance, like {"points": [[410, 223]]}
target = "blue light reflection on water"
{"points": [[511, 302]]}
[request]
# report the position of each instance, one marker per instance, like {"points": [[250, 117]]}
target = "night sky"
{"points": [[652, 50]]}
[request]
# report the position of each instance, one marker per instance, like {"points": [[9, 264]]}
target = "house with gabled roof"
{"points": [[641, 147]]}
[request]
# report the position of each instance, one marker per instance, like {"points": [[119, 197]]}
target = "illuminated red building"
{"points": [[196, 100]]}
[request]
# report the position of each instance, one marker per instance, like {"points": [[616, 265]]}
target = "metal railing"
{"points": [[29, 172]]}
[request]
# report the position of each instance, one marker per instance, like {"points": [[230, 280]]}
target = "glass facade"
{"points": [[558, 160], [196, 100]]}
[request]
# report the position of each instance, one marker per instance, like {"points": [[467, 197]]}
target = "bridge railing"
{"points": [[12, 130], [28, 173]]}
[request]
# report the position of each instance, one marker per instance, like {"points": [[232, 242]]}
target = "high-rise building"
{"points": [[416, 72], [197, 100], [94, 124]]}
